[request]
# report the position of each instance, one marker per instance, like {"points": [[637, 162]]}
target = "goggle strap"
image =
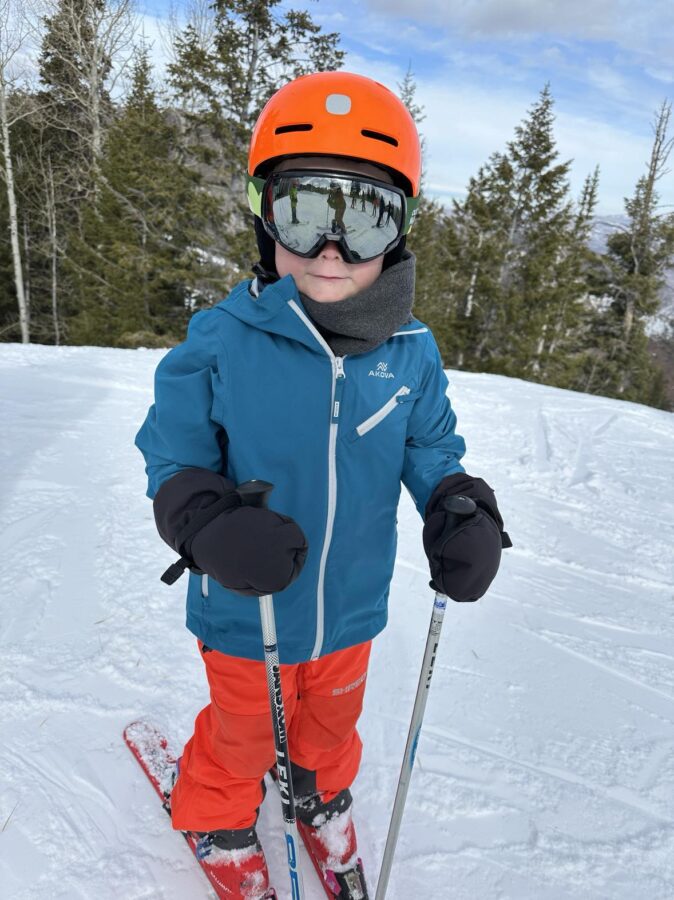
{"points": [[254, 189], [412, 207]]}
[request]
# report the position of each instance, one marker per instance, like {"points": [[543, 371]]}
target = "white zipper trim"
{"points": [[204, 585], [337, 367], [312, 328], [388, 407], [411, 331]]}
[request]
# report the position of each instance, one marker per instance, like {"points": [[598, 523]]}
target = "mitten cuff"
{"points": [[188, 501]]}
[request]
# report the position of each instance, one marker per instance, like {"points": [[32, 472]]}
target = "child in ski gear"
{"points": [[316, 377], [337, 202]]}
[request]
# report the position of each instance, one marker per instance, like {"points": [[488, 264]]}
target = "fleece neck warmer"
{"points": [[368, 318]]}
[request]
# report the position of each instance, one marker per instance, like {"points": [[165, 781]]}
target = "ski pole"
{"points": [[256, 493], [456, 507]]}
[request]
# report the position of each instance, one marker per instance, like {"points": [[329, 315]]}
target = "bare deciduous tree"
{"points": [[91, 42], [13, 38]]}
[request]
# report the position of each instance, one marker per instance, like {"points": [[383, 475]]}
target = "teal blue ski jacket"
{"points": [[256, 392]]}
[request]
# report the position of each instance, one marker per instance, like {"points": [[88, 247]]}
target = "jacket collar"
{"points": [[271, 310]]}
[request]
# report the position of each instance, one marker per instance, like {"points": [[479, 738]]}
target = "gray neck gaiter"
{"points": [[364, 321]]}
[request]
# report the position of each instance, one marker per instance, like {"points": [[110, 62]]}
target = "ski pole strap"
{"points": [[175, 570], [198, 521]]}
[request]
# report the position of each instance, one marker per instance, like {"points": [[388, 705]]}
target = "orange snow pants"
{"points": [[223, 764]]}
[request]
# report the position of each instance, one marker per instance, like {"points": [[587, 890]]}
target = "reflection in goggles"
{"points": [[303, 208]]}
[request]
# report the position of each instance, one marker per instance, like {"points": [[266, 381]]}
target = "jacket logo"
{"points": [[381, 371]]}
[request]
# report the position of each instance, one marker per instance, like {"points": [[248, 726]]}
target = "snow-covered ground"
{"points": [[546, 763]]}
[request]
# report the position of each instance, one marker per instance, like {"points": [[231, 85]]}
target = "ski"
{"points": [[337, 886], [152, 753]]}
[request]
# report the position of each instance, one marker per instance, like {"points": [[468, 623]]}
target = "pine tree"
{"points": [[407, 91], [481, 225], [430, 238], [520, 256], [221, 85], [574, 317], [140, 266], [629, 280]]}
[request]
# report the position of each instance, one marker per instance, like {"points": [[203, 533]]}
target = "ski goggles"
{"points": [[302, 210]]}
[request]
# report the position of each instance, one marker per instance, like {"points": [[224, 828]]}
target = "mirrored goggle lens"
{"points": [[303, 210]]}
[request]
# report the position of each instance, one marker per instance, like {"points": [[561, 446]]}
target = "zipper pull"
{"points": [[340, 376]]}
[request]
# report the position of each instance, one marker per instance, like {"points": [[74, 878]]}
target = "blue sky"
{"points": [[480, 64]]}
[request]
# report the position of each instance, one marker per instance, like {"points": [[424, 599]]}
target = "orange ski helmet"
{"points": [[338, 114]]}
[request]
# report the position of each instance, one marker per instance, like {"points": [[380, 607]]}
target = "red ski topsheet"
{"points": [[150, 748]]}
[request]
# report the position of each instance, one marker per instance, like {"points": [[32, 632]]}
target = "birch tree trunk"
{"points": [[26, 264], [473, 279], [24, 318]]}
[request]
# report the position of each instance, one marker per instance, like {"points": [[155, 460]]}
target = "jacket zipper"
{"points": [[338, 379], [388, 407]]}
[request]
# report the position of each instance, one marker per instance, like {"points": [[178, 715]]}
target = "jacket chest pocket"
{"points": [[398, 404]]}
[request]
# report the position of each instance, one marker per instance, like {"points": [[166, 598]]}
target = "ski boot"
{"points": [[235, 861], [330, 837]]}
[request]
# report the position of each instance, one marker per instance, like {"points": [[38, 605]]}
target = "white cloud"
{"points": [[607, 79], [661, 74], [638, 26]]}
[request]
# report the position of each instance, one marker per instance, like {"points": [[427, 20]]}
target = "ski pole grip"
{"points": [[457, 508], [255, 493]]}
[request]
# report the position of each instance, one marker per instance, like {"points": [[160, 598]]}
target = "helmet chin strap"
{"points": [[265, 269]]}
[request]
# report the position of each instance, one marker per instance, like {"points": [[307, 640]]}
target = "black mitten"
{"points": [[249, 550], [464, 552]]}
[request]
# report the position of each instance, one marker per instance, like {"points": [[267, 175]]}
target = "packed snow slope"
{"points": [[545, 768]]}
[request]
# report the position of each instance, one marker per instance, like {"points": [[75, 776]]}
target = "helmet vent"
{"points": [[284, 129], [378, 136]]}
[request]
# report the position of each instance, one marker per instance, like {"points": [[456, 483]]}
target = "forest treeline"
{"points": [[122, 208]]}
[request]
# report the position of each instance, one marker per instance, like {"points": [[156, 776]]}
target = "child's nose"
{"points": [[330, 251]]}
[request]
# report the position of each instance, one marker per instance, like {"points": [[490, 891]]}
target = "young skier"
{"points": [[316, 377]]}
